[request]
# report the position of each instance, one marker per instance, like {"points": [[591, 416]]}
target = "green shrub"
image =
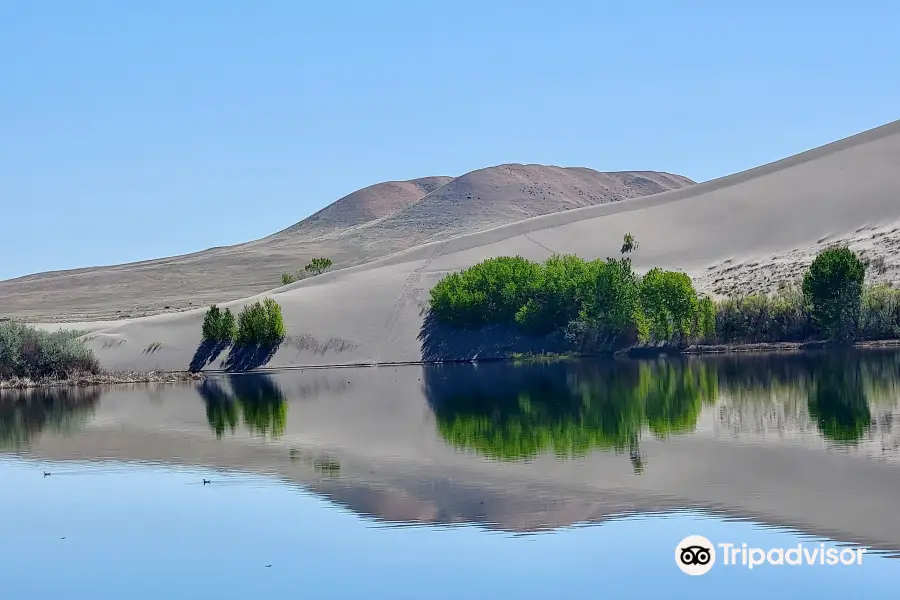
{"points": [[218, 326], [705, 319], [879, 314], [764, 318], [613, 314], [832, 287], [490, 292], [228, 326], [260, 323], [317, 266], [29, 352], [563, 284], [288, 278], [669, 302]]}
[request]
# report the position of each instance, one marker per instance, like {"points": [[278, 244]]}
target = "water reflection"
{"points": [[24, 414], [255, 397], [511, 412], [515, 412]]}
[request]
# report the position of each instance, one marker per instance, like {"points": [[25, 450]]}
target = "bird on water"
{"points": [[205, 481]]}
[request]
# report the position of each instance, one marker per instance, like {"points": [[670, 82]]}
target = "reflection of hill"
{"points": [[512, 412], [257, 397], [24, 414]]}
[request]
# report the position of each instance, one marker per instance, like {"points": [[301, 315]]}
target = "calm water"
{"points": [[568, 480]]}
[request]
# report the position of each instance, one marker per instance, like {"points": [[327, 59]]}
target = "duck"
{"points": [[205, 481], [46, 474]]}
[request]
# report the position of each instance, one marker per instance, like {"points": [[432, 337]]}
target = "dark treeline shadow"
{"points": [[514, 412], [241, 357], [440, 342], [24, 414], [253, 398], [206, 353], [510, 412]]}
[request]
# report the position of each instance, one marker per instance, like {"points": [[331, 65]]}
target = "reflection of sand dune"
{"points": [[395, 467]]}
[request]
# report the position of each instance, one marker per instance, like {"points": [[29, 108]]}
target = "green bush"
{"points": [[756, 318], [29, 352], [288, 278], [879, 314], [228, 326], [317, 266], [603, 304], [490, 292], [832, 288], [564, 283], [669, 302], [219, 326], [260, 323], [613, 313]]}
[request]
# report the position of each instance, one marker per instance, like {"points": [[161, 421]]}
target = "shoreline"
{"points": [[100, 379], [633, 353]]}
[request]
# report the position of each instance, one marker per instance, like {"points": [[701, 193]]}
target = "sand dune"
{"points": [[374, 312], [373, 222]]}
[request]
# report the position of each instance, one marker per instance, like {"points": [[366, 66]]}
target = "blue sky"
{"points": [[132, 130]]}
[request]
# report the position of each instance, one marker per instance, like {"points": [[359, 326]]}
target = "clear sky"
{"points": [[133, 130]]}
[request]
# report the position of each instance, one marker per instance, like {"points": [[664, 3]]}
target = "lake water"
{"points": [[565, 480]]}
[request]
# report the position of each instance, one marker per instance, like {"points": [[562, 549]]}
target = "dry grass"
{"points": [[91, 379]]}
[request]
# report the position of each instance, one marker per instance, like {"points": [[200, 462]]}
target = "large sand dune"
{"points": [[738, 228], [367, 224]]}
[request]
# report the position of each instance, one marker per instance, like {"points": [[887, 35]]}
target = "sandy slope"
{"points": [[367, 224], [373, 312]]}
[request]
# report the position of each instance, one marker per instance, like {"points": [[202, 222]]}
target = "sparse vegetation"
{"points": [[604, 304], [219, 326], [27, 352], [316, 266], [260, 323]]}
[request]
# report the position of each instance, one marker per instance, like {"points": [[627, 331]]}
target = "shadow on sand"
{"points": [[241, 357], [445, 343]]}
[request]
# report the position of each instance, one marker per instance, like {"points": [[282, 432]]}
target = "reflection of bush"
{"points": [[838, 387], [256, 398], [568, 408], [26, 413], [512, 412]]}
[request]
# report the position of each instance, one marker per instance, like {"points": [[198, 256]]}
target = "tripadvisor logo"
{"points": [[696, 555]]}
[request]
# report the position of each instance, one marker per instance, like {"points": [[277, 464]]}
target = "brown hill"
{"points": [[370, 223]]}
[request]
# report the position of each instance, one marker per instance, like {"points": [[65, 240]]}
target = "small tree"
{"points": [[274, 320], [832, 288], [228, 330], [219, 326], [629, 244], [670, 303], [260, 323], [317, 266], [212, 323]]}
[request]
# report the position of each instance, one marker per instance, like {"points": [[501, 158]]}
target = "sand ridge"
{"points": [[373, 222], [374, 312]]}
